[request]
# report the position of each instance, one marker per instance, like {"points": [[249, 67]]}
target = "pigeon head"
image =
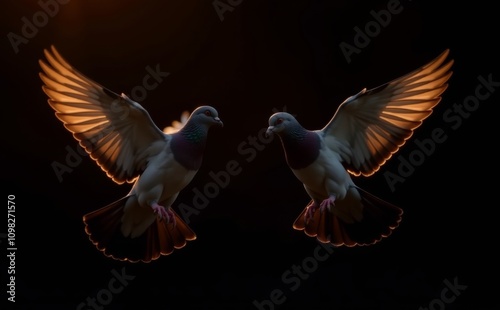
{"points": [[280, 123], [205, 116], [301, 146], [189, 142]]}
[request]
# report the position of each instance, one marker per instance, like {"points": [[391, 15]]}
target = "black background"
{"points": [[264, 55]]}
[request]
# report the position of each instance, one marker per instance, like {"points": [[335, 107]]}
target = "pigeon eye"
{"points": [[278, 121], [208, 113]]}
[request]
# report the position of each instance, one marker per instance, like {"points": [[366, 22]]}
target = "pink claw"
{"points": [[163, 213], [160, 211], [327, 203]]}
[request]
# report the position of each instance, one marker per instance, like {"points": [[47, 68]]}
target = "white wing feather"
{"points": [[114, 130], [370, 126]]}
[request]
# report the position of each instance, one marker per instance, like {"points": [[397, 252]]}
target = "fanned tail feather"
{"points": [[104, 229], [378, 221]]}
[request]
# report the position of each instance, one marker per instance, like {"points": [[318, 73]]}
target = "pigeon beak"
{"points": [[270, 131], [219, 122]]}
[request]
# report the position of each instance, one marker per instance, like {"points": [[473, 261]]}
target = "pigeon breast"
{"points": [[301, 148], [188, 149]]}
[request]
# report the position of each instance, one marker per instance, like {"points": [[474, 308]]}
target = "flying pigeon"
{"points": [[120, 136], [366, 130]]}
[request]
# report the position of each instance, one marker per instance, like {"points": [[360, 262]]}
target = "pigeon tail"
{"points": [[161, 238], [375, 220]]}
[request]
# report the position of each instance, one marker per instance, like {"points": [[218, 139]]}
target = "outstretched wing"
{"points": [[114, 130], [370, 126]]}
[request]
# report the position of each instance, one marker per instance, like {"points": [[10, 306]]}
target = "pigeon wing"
{"points": [[177, 125], [370, 126], [114, 130]]}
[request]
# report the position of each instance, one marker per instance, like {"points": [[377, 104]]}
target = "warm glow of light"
{"points": [[177, 125]]}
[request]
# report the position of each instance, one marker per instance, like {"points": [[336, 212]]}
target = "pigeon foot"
{"points": [[327, 203], [159, 210], [163, 213]]}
